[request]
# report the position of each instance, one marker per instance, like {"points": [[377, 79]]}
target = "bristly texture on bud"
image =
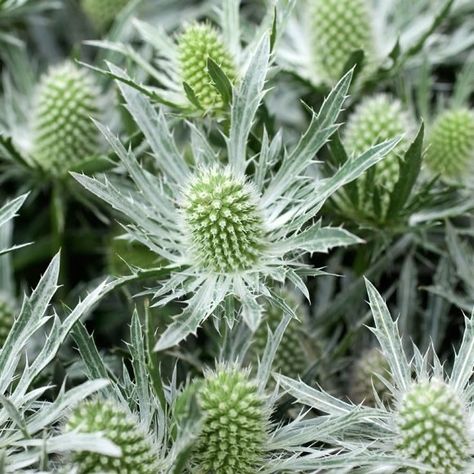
{"points": [[198, 43], [338, 28], [432, 428], [234, 424], [365, 378], [376, 120], [223, 220], [103, 12], [451, 143], [291, 357], [7, 317], [64, 133], [138, 453]]}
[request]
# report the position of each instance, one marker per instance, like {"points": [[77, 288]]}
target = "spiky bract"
{"points": [[432, 428], [197, 44], [377, 119], [366, 378], [64, 134], [107, 417], [103, 12], [290, 358], [223, 221], [451, 143], [234, 424], [339, 28], [7, 317]]}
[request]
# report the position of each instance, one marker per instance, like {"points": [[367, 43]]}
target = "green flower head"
{"points": [[103, 12], [451, 143], [198, 43], [7, 317], [139, 455], [234, 424], [64, 133]]}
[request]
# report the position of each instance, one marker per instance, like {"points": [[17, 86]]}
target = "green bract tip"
{"points": [[103, 12], [365, 378], [138, 453], [338, 28], [376, 120], [451, 143], [234, 424], [197, 44], [64, 132], [223, 220], [432, 427], [7, 317]]}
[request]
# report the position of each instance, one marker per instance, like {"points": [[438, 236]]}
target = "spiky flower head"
{"points": [[64, 134], [196, 44], [234, 424], [377, 119], [432, 426], [291, 357], [107, 417], [338, 28], [366, 382], [7, 317], [223, 220], [451, 143], [103, 12]]}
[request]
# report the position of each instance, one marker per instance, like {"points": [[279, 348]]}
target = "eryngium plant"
{"points": [[64, 134], [103, 12], [451, 143], [7, 316], [234, 429], [231, 225], [138, 455], [427, 426]]}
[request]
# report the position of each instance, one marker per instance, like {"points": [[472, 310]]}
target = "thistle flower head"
{"points": [[338, 28], [103, 12], [365, 378], [432, 426], [290, 358], [451, 143], [234, 424], [64, 134], [376, 120], [224, 221], [198, 43], [7, 317], [107, 417]]}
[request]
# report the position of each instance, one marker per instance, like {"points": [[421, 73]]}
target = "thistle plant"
{"points": [[138, 455], [426, 427], [7, 317], [339, 28], [239, 227], [103, 12], [451, 143], [64, 133], [235, 423]]}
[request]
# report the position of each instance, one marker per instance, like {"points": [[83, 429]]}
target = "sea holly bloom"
{"points": [[426, 427], [230, 225], [103, 12]]}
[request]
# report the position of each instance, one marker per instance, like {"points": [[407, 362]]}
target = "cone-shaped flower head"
{"points": [[64, 132], [234, 424], [365, 380], [290, 358], [103, 12], [451, 143], [223, 221], [196, 45], [7, 317], [338, 28], [139, 456], [432, 427], [376, 120]]}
